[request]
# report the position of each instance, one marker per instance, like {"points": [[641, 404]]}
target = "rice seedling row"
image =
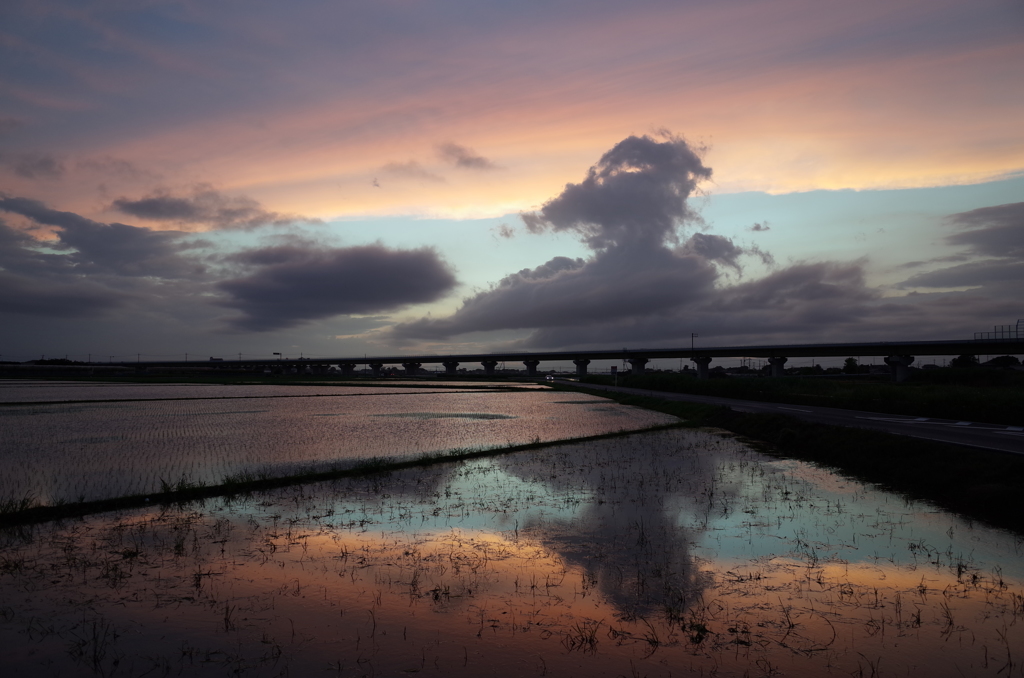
{"points": [[84, 452]]}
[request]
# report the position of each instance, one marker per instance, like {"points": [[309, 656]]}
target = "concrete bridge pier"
{"points": [[489, 366], [702, 362], [581, 366], [412, 368], [899, 365], [347, 369], [450, 367], [377, 368], [778, 366], [531, 367], [637, 365]]}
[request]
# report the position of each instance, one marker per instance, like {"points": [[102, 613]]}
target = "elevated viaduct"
{"points": [[899, 355]]}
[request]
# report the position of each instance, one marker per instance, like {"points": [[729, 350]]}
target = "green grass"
{"points": [[982, 395]]}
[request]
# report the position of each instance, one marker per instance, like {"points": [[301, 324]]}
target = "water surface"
{"points": [[96, 450], [27, 391], [656, 554]]}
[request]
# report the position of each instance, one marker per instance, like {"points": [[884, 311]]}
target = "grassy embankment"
{"points": [[983, 395], [977, 484]]}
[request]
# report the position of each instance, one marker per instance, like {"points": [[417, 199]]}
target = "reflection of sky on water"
{"points": [[695, 530], [728, 560], [829, 518], [641, 522]]}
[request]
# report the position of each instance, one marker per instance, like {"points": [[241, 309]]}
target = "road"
{"points": [[987, 436]]}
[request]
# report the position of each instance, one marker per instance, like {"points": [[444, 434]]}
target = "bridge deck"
{"points": [[878, 348]]}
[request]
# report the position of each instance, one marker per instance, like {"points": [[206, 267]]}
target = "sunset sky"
{"points": [[350, 178]]}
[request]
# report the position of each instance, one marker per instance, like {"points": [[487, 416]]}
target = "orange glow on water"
{"points": [[597, 559]]}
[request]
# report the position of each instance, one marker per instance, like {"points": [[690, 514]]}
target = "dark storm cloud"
{"points": [[973, 274], [802, 292], [802, 300], [37, 166], [463, 157], [117, 249], [573, 291], [20, 295], [20, 254], [37, 282], [412, 170], [12, 240], [40, 213], [132, 251], [206, 206], [714, 248], [88, 267], [628, 210], [641, 285], [292, 285], [994, 231], [635, 194]]}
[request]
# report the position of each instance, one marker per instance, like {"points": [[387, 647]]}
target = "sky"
{"points": [[399, 177]]}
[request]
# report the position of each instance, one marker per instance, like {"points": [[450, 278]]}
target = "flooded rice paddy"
{"points": [[83, 451], [671, 553], [29, 391]]}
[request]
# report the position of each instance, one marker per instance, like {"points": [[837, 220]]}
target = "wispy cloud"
{"points": [[207, 206], [463, 158], [37, 165], [993, 231], [412, 170]]}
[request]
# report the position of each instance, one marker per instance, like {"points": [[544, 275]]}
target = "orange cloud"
{"points": [[788, 97]]}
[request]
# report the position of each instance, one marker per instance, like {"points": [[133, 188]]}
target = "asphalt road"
{"points": [[987, 436]]}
